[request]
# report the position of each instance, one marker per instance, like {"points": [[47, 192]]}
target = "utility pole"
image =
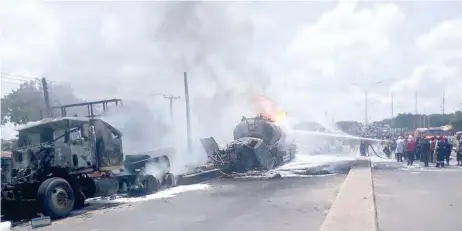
{"points": [[171, 98], [188, 116], [365, 110], [417, 124], [47, 98], [443, 102], [392, 106], [392, 109]]}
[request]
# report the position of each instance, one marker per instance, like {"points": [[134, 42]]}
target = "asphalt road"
{"points": [[299, 203], [418, 198]]}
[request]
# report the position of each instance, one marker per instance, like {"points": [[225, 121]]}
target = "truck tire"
{"points": [[150, 184], [169, 180], [56, 197]]}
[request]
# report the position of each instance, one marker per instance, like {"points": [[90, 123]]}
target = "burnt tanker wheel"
{"points": [[169, 180], [56, 197], [150, 184]]}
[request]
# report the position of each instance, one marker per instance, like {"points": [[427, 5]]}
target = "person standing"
{"points": [[410, 150], [418, 155], [441, 149], [447, 155], [399, 149], [433, 144], [459, 150], [425, 151], [450, 145], [362, 148]]}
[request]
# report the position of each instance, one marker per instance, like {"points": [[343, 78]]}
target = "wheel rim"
{"points": [[59, 198]]}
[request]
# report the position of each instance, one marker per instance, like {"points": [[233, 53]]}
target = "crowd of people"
{"points": [[437, 150]]}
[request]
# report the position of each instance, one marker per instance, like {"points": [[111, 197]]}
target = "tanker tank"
{"points": [[259, 144]]}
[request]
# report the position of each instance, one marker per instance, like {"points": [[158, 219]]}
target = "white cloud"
{"points": [[232, 50], [440, 69], [342, 47]]}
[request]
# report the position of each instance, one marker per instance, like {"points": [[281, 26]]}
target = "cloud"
{"points": [[440, 69], [233, 51], [343, 46]]}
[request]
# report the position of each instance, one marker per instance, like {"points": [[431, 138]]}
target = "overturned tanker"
{"points": [[258, 144]]}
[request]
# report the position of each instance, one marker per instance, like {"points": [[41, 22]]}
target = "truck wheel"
{"points": [[169, 180], [150, 184], [56, 197]]}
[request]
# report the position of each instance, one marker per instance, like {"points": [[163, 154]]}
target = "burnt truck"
{"points": [[60, 162], [259, 144]]}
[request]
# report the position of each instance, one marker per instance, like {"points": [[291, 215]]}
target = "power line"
{"points": [[25, 78], [9, 78], [21, 76], [14, 83]]}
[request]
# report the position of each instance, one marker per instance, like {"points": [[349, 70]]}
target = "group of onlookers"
{"points": [[428, 149]]}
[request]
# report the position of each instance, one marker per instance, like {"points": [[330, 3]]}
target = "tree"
{"points": [[23, 104], [411, 121], [27, 102]]}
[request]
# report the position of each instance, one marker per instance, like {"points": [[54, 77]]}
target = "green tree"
{"points": [[27, 102], [23, 104]]}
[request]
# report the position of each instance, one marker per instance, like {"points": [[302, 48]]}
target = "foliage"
{"points": [[23, 104], [27, 102], [412, 121]]}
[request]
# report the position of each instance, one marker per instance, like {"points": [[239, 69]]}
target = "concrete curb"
{"points": [[354, 208]]}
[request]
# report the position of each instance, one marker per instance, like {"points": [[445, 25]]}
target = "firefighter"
{"points": [[441, 150]]}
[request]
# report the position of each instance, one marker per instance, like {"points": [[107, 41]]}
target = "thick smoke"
{"points": [[136, 50]]}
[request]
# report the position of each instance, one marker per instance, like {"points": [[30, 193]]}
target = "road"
{"points": [[417, 198], [243, 204], [407, 199]]}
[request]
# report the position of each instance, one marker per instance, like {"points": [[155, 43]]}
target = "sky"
{"points": [[315, 59]]}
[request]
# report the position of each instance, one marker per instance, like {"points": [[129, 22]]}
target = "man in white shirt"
{"points": [[400, 145]]}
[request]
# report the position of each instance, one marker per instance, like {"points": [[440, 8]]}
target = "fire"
{"points": [[280, 117], [268, 108]]}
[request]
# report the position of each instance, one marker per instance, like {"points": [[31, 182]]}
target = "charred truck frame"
{"points": [[258, 143], [62, 161]]}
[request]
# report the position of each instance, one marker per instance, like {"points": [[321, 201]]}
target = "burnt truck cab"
{"points": [[60, 162], [66, 145]]}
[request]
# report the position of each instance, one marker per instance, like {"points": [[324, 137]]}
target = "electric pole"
{"points": [[392, 110], [171, 98], [188, 115], [47, 98], [392, 107], [443, 102], [365, 111], [417, 124]]}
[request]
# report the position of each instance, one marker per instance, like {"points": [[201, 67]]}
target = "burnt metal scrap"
{"points": [[259, 144]]}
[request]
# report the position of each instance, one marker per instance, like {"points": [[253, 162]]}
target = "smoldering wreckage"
{"points": [[61, 162]]}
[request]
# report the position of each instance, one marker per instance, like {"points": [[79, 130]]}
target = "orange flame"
{"points": [[268, 108]]}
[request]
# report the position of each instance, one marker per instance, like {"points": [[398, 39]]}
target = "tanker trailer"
{"points": [[258, 144]]}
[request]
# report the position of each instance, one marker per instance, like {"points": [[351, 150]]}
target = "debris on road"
{"points": [[40, 222]]}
